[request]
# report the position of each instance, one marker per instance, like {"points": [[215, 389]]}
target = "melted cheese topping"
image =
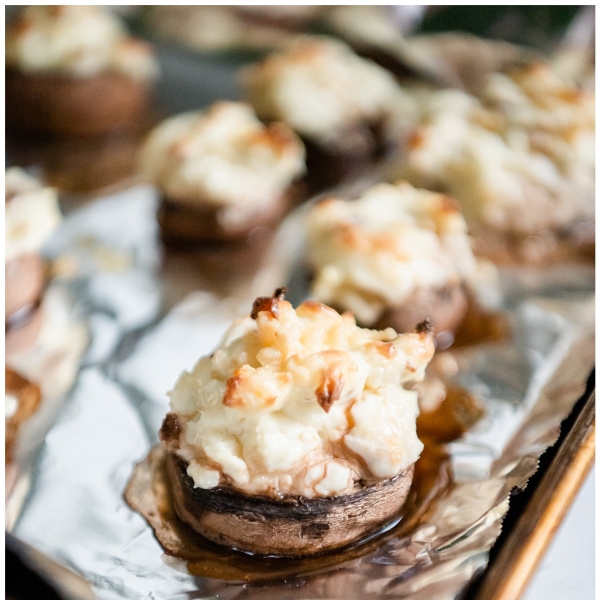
{"points": [[79, 41], [223, 157], [320, 88], [520, 159], [301, 402], [377, 251], [31, 214]]}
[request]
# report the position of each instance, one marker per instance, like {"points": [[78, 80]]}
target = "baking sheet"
{"points": [[145, 334], [149, 323]]}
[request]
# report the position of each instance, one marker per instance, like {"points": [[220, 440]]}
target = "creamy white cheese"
{"points": [[31, 214], [301, 402], [75, 40], [519, 159], [222, 157], [377, 251], [320, 88]]}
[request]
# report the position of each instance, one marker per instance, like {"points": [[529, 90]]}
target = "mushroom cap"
{"points": [[290, 526]]}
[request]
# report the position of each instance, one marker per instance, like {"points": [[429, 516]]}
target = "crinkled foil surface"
{"points": [[146, 328]]}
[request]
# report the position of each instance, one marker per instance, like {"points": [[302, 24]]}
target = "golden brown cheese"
{"points": [[300, 402]]}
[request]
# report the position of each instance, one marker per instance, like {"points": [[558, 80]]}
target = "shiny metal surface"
{"points": [[76, 513]]}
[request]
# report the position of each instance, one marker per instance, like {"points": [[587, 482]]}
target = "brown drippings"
{"points": [[451, 418], [433, 476], [481, 326], [149, 493]]}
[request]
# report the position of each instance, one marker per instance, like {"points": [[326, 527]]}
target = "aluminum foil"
{"points": [[146, 328]]}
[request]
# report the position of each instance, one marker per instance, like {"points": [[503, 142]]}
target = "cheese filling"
{"points": [[300, 402], [378, 251], [224, 157], [31, 214], [79, 41], [320, 88], [519, 159]]}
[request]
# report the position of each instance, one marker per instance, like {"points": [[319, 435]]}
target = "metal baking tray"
{"points": [[191, 80]]}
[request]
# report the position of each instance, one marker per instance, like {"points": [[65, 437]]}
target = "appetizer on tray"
{"points": [[339, 103], [221, 174], [394, 257], [297, 435], [518, 157], [74, 71]]}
